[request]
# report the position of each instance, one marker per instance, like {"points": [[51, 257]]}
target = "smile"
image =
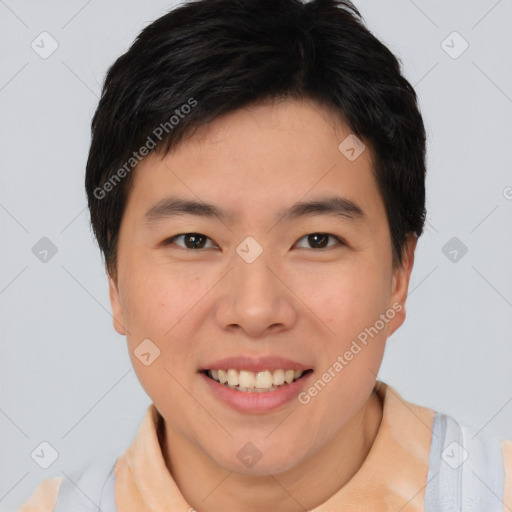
{"points": [[256, 382]]}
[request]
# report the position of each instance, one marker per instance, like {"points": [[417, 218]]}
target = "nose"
{"points": [[256, 299]]}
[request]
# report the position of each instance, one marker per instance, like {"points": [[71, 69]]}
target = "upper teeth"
{"points": [[257, 380]]}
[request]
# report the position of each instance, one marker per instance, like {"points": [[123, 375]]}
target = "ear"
{"points": [[115, 303], [400, 284]]}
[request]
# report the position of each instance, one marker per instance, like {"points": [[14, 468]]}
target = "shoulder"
{"points": [[506, 446], [467, 466], [44, 496], [82, 489]]}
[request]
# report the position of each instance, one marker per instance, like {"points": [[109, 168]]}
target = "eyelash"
{"points": [[171, 240]]}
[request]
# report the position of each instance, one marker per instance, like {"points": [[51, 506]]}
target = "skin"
{"points": [[296, 301]]}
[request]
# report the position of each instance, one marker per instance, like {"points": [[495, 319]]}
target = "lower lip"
{"points": [[256, 402]]}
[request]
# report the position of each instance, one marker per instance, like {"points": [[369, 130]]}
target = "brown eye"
{"points": [[320, 240], [190, 240]]}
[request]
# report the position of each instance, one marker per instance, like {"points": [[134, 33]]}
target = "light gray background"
{"points": [[65, 373]]}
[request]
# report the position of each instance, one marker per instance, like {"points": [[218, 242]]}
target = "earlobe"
{"points": [[117, 310]]}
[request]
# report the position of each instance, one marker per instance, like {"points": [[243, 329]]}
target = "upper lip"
{"points": [[255, 364]]}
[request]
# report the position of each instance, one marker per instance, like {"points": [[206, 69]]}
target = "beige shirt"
{"points": [[402, 447]]}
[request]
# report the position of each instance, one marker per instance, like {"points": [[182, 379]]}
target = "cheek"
{"points": [[157, 308], [165, 306], [147, 306], [349, 300], [157, 296]]}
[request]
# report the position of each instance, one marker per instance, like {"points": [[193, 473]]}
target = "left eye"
{"points": [[198, 241], [319, 240]]}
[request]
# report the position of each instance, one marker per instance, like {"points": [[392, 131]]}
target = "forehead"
{"points": [[259, 157]]}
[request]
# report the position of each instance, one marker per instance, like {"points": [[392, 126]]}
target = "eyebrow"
{"points": [[336, 206]]}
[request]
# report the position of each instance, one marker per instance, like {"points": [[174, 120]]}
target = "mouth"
{"points": [[247, 381]]}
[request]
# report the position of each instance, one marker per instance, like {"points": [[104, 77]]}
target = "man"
{"points": [[256, 183]]}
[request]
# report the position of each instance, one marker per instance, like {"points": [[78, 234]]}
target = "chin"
{"points": [[257, 458]]}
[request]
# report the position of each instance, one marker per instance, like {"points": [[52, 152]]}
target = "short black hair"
{"points": [[206, 58]]}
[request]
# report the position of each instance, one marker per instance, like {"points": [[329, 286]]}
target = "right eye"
{"points": [[191, 241]]}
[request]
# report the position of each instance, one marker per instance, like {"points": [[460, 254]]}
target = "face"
{"points": [[258, 284]]}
